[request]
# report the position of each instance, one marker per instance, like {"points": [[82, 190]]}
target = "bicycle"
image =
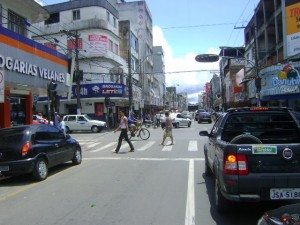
{"points": [[140, 131]]}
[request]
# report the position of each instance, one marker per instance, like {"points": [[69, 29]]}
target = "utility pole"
{"points": [[130, 80], [75, 35]]}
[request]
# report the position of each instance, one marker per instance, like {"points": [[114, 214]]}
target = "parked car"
{"points": [[204, 117], [35, 149], [287, 214], [83, 123], [253, 155]]}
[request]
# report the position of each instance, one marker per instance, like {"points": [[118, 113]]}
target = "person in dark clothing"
{"points": [[124, 129]]}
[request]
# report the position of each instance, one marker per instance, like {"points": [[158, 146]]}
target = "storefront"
{"points": [[280, 85], [26, 69]]}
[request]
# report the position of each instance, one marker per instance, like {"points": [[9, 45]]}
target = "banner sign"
{"points": [[100, 90], [1, 86]]}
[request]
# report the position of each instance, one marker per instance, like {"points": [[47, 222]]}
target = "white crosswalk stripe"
{"points": [[146, 146], [168, 147], [192, 146], [104, 147]]}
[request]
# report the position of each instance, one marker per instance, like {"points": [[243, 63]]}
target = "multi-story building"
{"points": [[272, 40], [26, 67], [140, 17], [90, 31], [159, 75]]}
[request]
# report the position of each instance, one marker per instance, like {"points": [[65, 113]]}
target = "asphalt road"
{"points": [[155, 185]]}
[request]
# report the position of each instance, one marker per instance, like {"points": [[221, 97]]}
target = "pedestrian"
{"points": [[61, 124], [124, 129], [168, 129]]}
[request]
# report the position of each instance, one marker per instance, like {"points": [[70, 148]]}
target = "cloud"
{"points": [[185, 71]]}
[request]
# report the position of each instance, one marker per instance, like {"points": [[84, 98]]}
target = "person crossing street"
{"points": [[123, 135]]}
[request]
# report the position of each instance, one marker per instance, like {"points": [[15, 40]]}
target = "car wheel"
{"points": [[222, 204], [177, 125], [95, 129], [77, 158], [199, 121], [245, 139], [189, 125], [210, 121], [40, 170]]}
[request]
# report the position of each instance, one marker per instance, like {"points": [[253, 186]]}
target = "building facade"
{"points": [[26, 67]]}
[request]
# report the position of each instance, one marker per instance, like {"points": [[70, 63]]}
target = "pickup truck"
{"points": [[253, 154]]}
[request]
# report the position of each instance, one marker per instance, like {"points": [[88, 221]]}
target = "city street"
{"points": [[156, 184]]}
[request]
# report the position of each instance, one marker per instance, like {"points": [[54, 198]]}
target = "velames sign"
{"points": [[1, 86]]}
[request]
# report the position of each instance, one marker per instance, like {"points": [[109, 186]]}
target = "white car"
{"points": [[83, 123], [179, 120]]}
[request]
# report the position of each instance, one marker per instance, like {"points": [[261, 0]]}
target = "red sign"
{"points": [[72, 43]]}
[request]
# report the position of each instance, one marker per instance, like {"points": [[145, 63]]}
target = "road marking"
{"points": [[144, 159], [190, 200], [168, 147], [192, 146], [93, 145], [104, 147], [148, 145]]}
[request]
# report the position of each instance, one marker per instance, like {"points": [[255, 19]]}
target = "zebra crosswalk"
{"points": [[191, 146]]}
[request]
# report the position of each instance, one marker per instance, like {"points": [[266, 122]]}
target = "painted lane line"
{"points": [[144, 159], [193, 146], [148, 145], [104, 147], [190, 200]]}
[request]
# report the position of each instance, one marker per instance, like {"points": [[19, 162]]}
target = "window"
{"points": [[72, 118], [76, 14], [108, 16], [115, 22], [110, 45], [81, 118], [54, 18], [15, 23], [116, 49]]}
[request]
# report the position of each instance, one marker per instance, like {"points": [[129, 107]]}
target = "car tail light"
{"points": [[26, 148], [236, 164]]}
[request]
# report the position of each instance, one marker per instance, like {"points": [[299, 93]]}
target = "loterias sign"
{"points": [[207, 58]]}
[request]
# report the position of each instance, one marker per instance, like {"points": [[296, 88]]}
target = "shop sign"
{"points": [[1, 86], [99, 90], [29, 69]]}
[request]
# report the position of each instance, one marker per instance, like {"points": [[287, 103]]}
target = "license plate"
{"points": [[287, 193], [4, 168]]}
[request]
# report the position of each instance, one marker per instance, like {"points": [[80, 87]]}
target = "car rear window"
{"points": [[269, 128], [9, 136]]}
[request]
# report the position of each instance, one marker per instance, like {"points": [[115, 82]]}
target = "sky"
{"points": [[190, 27]]}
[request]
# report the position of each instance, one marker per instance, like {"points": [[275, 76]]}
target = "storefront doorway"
{"points": [[17, 110]]}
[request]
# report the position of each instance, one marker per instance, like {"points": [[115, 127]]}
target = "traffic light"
{"points": [[51, 89], [107, 101]]}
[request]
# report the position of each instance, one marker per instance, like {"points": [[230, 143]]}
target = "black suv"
{"points": [[254, 155]]}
